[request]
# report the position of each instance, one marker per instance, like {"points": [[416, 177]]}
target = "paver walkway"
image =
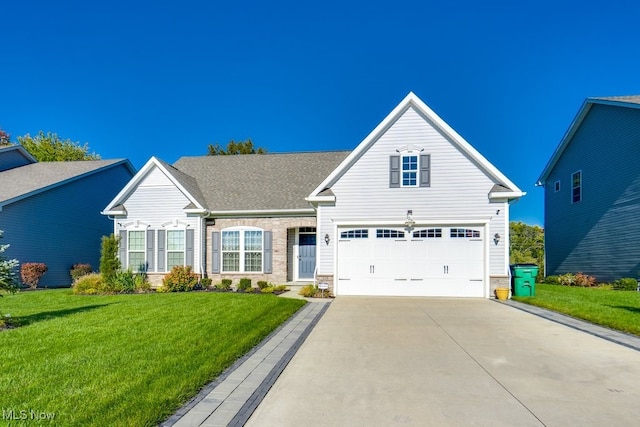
{"points": [[231, 399]]}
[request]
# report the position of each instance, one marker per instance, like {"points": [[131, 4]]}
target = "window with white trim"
{"points": [[242, 250], [576, 187], [175, 248], [136, 250], [410, 170]]}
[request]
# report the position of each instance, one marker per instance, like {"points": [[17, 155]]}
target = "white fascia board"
{"points": [[262, 213], [321, 199], [114, 213], [197, 211], [506, 195]]}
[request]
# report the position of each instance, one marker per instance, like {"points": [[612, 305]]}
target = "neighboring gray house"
{"points": [[413, 210], [592, 193], [50, 211]]}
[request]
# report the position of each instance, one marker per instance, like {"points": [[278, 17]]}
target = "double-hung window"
{"points": [[242, 250], [409, 170], [175, 248], [136, 250], [576, 187]]}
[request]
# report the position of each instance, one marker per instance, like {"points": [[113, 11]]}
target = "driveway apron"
{"points": [[451, 362]]}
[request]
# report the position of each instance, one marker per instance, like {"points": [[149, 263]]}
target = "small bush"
{"points": [[267, 290], [262, 284], [180, 279], [272, 289], [552, 280], [308, 291], [567, 279], [89, 284], [625, 284], [123, 282], [584, 280], [79, 270], [205, 282], [244, 284], [224, 285], [32, 272], [141, 282]]}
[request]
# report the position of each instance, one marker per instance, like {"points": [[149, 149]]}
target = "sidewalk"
{"points": [[232, 398]]}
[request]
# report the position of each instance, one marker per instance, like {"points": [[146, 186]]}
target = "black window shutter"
{"points": [[162, 258], [123, 249], [394, 171], [425, 170], [189, 247], [215, 252], [151, 234], [268, 252]]}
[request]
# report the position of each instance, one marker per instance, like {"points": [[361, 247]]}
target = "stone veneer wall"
{"points": [[281, 258], [498, 282]]}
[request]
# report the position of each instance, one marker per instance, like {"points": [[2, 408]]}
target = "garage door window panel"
{"points": [[429, 233], [355, 234]]}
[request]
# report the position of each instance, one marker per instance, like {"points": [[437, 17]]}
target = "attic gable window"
{"points": [[410, 169], [576, 187]]}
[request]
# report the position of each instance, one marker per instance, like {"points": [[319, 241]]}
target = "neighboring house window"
{"points": [[175, 248], [242, 250], [410, 169], [136, 250], [355, 234], [464, 233], [557, 186], [576, 187], [428, 233]]}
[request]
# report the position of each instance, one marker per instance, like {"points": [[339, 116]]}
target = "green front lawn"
{"points": [[614, 309], [128, 360]]}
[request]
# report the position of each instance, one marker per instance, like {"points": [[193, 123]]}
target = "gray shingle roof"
{"points": [[21, 181], [259, 181], [632, 99], [188, 182]]}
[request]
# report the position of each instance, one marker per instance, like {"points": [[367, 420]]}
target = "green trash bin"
{"points": [[524, 279]]}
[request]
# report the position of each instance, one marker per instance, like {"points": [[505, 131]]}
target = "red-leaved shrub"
{"points": [[32, 272]]}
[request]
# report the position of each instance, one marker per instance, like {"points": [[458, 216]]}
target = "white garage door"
{"points": [[430, 261]]}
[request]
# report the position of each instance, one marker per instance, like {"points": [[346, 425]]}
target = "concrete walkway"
{"points": [[452, 362], [230, 400]]}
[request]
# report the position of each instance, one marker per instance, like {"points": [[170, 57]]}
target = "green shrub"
{"points": [[180, 279], [89, 284], [308, 291], [280, 288], [244, 284], [79, 270], [141, 282], [552, 280], [205, 282], [267, 290], [625, 284], [262, 284], [8, 280], [224, 285], [32, 272], [567, 279], [123, 282], [109, 262]]}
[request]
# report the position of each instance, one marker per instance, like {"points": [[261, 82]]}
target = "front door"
{"points": [[306, 255]]}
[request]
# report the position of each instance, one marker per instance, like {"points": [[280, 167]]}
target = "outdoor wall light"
{"points": [[409, 223], [496, 238], [327, 239]]}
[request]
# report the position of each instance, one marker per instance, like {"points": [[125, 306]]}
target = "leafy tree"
{"points": [[4, 138], [50, 148], [109, 262], [8, 278], [233, 147], [527, 245]]}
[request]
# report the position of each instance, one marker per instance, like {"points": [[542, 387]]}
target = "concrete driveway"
{"points": [[451, 362]]}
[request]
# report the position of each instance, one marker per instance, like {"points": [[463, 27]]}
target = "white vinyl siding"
{"points": [[458, 189], [158, 204]]}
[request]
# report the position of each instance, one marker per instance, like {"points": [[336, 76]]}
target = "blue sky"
{"points": [[166, 78]]}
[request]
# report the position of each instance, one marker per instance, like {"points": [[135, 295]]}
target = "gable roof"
{"points": [[412, 101], [260, 182], [630, 101], [13, 156], [25, 181]]}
